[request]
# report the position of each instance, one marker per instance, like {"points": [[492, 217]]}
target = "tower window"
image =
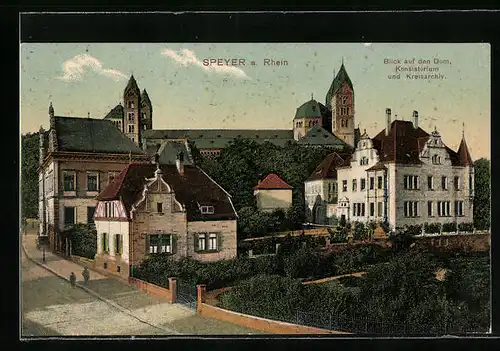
{"points": [[131, 128], [344, 100], [131, 116]]}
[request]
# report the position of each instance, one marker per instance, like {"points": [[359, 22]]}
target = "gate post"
{"points": [[201, 289], [172, 286]]}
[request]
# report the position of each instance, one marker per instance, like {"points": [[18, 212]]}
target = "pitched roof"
{"points": [[406, 139], [219, 138], [273, 181], [116, 112], [337, 82], [463, 154], [310, 108], [318, 135], [92, 135], [132, 86], [169, 150], [377, 167], [409, 142], [327, 169], [193, 189]]}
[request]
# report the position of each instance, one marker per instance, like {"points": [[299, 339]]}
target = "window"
{"points": [[131, 104], [143, 115], [111, 176], [131, 128], [118, 244], [363, 183], [144, 127], [207, 210], [69, 215], [456, 183], [90, 214], [459, 208], [372, 183], [212, 241], [92, 181], [105, 243], [436, 160], [363, 209], [430, 212], [109, 209], [118, 269], [69, 181], [443, 208], [354, 185], [379, 182], [344, 185], [344, 111], [159, 207], [411, 182], [363, 161], [380, 209], [411, 208], [344, 100], [130, 116], [372, 209], [201, 242], [160, 243], [444, 183], [430, 182]]}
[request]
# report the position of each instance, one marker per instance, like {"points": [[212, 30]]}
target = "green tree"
{"points": [[482, 187], [29, 175], [83, 240]]}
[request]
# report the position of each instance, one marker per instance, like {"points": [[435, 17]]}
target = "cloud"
{"points": [[75, 68], [186, 57]]}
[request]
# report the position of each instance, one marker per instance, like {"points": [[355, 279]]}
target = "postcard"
{"points": [[173, 189]]}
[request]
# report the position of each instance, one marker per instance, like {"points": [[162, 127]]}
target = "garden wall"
{"points": [[169, 294], [266, 325], [471, 242]]}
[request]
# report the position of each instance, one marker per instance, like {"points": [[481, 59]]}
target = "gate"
{"points": [[186, 294]]}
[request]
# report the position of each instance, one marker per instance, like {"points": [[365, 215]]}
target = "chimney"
{"points": [[388, 120], [180, 163], [415, 119]]}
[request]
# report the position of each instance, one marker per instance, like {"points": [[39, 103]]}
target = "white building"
{"points": [[273, 193], [321, 191], [406, 176]]}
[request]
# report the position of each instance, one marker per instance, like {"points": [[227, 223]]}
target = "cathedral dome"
{"points": [[308, 110]]}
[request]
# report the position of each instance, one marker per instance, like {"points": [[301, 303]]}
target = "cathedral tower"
{"points": [[146, 111], [131, 111], [340, 100]]}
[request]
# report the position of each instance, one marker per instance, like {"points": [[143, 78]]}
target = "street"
{"points": [[51, 307]]}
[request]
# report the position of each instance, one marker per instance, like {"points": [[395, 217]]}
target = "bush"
{"points": [[414, 230], [339, 235], [360, 231], [466, 227], [303, 263], [449, 227], [83, 240], [432, 228]]}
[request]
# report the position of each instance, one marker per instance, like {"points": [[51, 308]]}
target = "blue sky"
{"points": [[82, 78]]}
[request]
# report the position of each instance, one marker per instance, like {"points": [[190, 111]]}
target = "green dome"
{"points": [[308, 109]]}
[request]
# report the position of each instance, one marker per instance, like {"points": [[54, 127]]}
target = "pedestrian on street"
{"points": [[72, 279], [86, 275]]}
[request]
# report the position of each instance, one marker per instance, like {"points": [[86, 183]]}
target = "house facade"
{"points": [[171, 209], [321, 191], [78, 158], [273, 193], [406, 176]]}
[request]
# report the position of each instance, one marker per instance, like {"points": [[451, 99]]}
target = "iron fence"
{"points": [[361, 325]]}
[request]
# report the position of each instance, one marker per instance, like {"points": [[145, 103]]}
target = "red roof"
{"points": [[272, 181], [464, 158], [327, 169], [193, 189]]}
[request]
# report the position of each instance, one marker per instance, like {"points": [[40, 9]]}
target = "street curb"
{"points": [[93, 293]]}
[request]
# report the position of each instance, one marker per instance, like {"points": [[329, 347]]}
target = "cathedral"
{"points": [[330, 125]]}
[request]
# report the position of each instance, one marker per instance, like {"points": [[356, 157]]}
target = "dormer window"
{"points": [[436, 160], [363, 161], [207, 209]]}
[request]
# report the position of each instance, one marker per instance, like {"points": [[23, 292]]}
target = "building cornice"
{"points": [[94, 157]]}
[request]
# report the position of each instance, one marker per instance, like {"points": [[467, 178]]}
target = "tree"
{"points": [[29, 175], [83, 240], [482, 187]]}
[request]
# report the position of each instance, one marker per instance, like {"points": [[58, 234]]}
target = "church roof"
{"points": [[169, 150], [132, 86], [327, 169], [116, 112], [319, 136], [273, 181], [92, 135], [193, 189], [145, 98], [339, 79], [310, 108]]}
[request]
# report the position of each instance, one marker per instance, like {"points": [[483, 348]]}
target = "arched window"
{"points": [[341, 122]]}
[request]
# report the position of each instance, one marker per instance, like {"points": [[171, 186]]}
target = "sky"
{"points": [[83, 78]]}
